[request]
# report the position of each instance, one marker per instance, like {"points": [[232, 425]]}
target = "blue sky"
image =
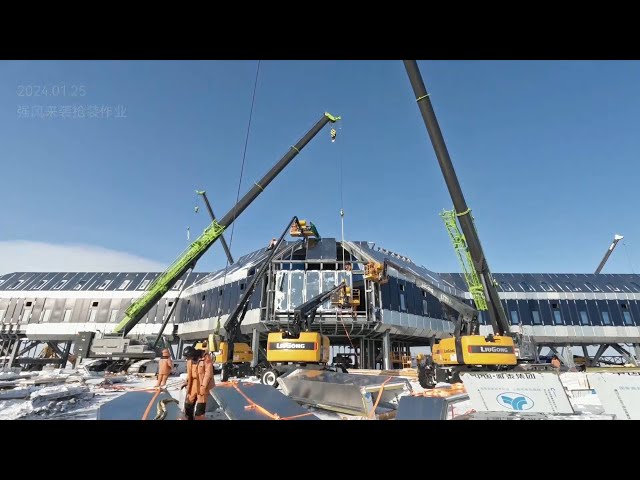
{"points": [[546, 153]]}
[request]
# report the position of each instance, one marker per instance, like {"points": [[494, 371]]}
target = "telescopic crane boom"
{"points": [[197, 249], [616, 239], [496, 313]]}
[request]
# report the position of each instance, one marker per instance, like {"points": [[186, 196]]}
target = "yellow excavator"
{"points": [[299, 347], [234, 355]]}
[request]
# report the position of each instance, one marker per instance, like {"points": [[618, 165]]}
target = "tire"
{"points": [[269, 377]]}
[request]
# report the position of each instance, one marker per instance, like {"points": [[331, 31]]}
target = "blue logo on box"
{"points": [[515, 401]]}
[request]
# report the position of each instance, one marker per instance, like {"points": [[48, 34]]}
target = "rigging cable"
{"points": [[233, 225], [628, 257]]}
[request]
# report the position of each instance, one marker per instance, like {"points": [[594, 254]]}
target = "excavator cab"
{"points": [[303, 229]]}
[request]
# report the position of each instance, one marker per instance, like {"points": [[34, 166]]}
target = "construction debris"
{"points": [[368, 396]]}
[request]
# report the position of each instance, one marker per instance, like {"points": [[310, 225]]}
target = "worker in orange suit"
{"points": [[164, 368], [199, 382]]}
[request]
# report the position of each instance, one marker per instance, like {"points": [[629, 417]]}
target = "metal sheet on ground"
{"points": [[619, 393], [132, 406], [533, 392], [343, 392], [236, 401], [428, 408]]}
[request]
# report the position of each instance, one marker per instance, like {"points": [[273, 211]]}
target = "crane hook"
{"points": [[333, 134]]}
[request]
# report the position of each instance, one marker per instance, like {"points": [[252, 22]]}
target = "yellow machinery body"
{"points": [[375, 271], [346, 297], [241, 351], [304, 230], [475, 350], [309, 347]]}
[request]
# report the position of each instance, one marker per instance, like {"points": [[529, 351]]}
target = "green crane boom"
{"points": [[197, 249]]}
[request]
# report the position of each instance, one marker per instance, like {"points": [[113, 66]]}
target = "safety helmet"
{"points": [[189, 352]]}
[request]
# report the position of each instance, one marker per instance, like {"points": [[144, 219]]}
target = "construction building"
{"points": [[557, 310]]}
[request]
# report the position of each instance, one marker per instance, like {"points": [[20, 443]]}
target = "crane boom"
{"points": [[616, 239], [197, 249], [213, 219], [497, 315]]}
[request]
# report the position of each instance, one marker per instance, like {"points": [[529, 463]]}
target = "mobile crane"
{"points": [[297, 346], [236, 355], [115, 345], [467, 349]]}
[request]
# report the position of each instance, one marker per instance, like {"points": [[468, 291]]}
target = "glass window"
{"points": [[571, 286], [546, 287], [328, 282], [557, 317], [584, 318], [92, 315], [104, 284], [536, 317], [124, 285], [46, 315], [592, 287], [526, 287], [297, 289], [402, 305], [79, 285], [605, 318], [144, 284], [506, 287], [282, 291], [67, 315], [114, 316], [515, 320], [627, 317], [177, 285], [313, 284]]}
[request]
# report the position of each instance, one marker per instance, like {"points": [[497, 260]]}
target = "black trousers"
{"points": [[194, 408]]}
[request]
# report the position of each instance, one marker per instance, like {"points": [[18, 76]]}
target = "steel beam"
{"points": [[625, 354], [386, 351]]}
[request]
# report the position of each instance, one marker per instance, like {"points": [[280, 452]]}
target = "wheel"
{"points": [[269, 377]]}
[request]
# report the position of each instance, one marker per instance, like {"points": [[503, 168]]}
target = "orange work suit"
{"points": [[200, 381], [164, 370]]}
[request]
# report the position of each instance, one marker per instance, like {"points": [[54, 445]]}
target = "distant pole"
{"points": [[616, 239]]}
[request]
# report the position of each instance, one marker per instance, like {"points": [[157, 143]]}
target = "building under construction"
{"points": [[403, 309]]}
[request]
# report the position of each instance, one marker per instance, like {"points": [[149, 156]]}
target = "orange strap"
{"points": [[146, 412], [254, 406], [375, 405]]}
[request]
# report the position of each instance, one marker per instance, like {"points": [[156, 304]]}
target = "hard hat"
{"points": [[189, 352]]}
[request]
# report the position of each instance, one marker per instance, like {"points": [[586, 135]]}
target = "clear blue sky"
{"points": [[546, 152]]}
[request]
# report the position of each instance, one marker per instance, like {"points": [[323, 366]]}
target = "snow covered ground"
{"points": [[74, 394]]}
